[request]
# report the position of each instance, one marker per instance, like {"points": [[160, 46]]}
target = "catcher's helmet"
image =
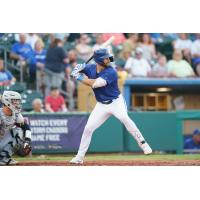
{"points": [[12, 100], [101, 54]]}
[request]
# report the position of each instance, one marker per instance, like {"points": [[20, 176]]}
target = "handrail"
{"points": [[19, 68]]}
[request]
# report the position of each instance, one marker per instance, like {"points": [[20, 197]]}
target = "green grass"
{"points": [[113, 157]]}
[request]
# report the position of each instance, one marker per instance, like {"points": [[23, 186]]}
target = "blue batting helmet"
{"points": [[101, 54]]}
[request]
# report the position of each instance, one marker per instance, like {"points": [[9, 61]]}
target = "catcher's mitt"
{"points": [[23, 148]]}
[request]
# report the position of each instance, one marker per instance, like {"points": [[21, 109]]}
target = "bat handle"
{"points": [[89, 59]]}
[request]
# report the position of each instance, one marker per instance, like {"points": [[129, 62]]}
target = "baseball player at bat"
{"points": [[103, 79], [15, 134]]}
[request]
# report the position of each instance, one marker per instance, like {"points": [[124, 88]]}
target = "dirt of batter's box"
{"points": [[115, 163]]}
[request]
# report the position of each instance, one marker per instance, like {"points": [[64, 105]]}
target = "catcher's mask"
{"points": [[12, 100]]}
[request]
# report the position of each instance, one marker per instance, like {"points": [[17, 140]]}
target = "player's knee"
{"points": [[124, 118]]}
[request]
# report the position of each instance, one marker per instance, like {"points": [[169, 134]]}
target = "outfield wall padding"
{"points": [[162, 130], [158, 128]]}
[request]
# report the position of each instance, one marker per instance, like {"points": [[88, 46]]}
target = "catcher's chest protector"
{"points": [[8, 122]]}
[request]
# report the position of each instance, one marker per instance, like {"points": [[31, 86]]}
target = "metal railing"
{"points": [[10, 64]]}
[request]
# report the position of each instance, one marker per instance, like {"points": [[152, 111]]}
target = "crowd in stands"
{"points": [[47, 60], [6, 77]]}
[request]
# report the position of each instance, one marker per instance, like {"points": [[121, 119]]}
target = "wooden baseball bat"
{"points": [[104, 45]]}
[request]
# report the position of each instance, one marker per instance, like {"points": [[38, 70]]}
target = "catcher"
{"points": [[15, 134]]}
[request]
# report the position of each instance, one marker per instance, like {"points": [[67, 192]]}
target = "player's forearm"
{"points": [[88, 81], [26, 129]]}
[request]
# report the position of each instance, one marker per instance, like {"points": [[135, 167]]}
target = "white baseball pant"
{"points": [[100, 114]]}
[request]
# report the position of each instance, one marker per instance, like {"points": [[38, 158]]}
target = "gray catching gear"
{"points": [[8, 161], [23, 148], [12, 100]]}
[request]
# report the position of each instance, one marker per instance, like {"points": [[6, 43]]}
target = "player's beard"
{"points": [[105, 64]]}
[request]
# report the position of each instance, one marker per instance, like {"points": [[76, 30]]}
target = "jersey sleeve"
{"points": [[109, 76], [86, 70]]}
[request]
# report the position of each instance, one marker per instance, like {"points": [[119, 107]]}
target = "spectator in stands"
{"points": [[131, 43], [119, 38], [21, 50], [138, 66], [84, 51], [169, 37], [184, 44], [37, 63], [67, 44], [99, 42], [6, 78], [37, 106], [70, 84], [148, 47], [32, 39], [195, 51], [73, 58], [56, 61], [124, 57], [55, 102], [73, 37], [178, 67], [160, 68], [194, 141], [156, 37]]}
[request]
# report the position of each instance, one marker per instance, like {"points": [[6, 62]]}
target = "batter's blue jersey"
{"points": [[108, 92]]}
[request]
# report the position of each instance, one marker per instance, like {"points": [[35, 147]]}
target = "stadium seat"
{"points": [[120, 62], [26, 106], [68, 46], [28, 97], [165, 48], [18, 87]]}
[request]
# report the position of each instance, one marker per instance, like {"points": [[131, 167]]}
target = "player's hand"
{"points": [[77, 76], [26, 144], [80, 77], [80, 67], [74, 74], [27, 147]]}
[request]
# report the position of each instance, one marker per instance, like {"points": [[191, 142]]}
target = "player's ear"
{"points": [[111, 59]]}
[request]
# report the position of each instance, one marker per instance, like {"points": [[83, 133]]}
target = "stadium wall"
{"points": [[163, 131]]}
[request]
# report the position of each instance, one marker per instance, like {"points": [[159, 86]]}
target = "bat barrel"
{"points": [[104, 45]]}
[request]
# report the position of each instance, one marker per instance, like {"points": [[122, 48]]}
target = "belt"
{"points": [[107, 102]]}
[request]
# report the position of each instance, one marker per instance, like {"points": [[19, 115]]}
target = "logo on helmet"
{"points": [[100, 55]]}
